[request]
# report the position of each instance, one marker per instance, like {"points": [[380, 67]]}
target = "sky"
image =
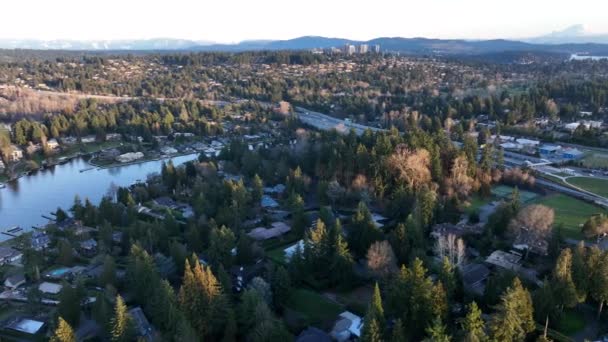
{"points": [[229, 21]]}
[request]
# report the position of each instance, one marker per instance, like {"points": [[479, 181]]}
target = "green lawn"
{"points": [[477, 202], [596, 185], [570, 212], [571, 322], [313, 306]]}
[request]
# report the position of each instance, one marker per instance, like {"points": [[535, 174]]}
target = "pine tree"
{"points": [[371, 331], [565, 290], [437, 332], [398, 332], [201, 300], [341, 267], [375, 310], [64, 332], [580, 275], [513, 319], [473, 325], [121, 324], [599, 282]]}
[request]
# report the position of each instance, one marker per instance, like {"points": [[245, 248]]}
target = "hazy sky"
{"points": [[236, 20]]}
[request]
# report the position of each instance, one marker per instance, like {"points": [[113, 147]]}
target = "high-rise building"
{"points": [[363, 48], [349, 49], [377, 48]]}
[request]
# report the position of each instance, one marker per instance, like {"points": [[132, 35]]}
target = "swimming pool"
{"points": [[58, 272]]}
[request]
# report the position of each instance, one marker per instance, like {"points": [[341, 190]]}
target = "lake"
{"points": [[25, 200], [583, 57]]}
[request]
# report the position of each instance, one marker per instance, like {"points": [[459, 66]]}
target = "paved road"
{"points": [[326, 122]]}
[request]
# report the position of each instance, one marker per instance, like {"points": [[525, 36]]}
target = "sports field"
{"points": [[570, 212], [598, 186]]}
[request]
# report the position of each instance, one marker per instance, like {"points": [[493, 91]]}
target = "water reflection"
{"points": [[23, 201]]}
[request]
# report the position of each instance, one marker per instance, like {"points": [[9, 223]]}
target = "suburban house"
{"points": [[143, 329], [9, 255], [52, 144], [15, 154], [14, 281], [312, 334], [347, 327], [505, 260], [88, 248], [474, 277], [261, 233], [50, 288], [40, 240]]}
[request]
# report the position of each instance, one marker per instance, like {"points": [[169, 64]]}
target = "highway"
{"points": [[325, 122]]}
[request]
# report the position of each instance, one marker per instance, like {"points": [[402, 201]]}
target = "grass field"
{"points": [[313, 307], [596, 160], [596, 185], [570, 212], [571, 322]]}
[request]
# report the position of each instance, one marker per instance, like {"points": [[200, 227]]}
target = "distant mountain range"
{"points": [[570, 41], [575, 34]]}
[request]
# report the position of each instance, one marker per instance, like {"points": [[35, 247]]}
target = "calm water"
{"points": [[23, 201], [583, 57]]}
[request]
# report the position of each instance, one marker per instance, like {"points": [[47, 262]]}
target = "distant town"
{"points": [[350, 193]]}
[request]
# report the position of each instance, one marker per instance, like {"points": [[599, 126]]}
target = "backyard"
{"points": [[313, 307]]}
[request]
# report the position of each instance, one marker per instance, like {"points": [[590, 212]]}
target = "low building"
{"points": [[50, 288], [527, 142], [129, 157], [52, 144], [474, 278], [143, 329], [14, 154], [166, 203], [14, 281], [549, 149], [113, 137], [168, 150], [312, 334], [268, 202], [9, 255], [88, 139], [88, 248], [25, 325], [261, 233], [572, 154], [347, 327], [289, 251], [504, 260]]}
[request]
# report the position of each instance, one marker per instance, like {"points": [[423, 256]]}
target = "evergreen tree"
{"points": [[201, 299], [371, 331], [121, 323], [69, 304], [473, 325], [580, 276], [565, 290], [437, 332], [398, 332], [513, 319], [599, 282], [63, 333], [363, 231]]}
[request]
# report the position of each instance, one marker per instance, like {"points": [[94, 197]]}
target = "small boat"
{"points": [[2, 185]]}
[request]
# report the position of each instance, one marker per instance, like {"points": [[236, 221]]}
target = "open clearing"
{"points": [[598, 186], [570, 212]]}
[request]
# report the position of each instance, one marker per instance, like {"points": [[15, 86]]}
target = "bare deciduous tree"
{"points": [[451, 247], [532, 224], [411, 166], [381, 259]]}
